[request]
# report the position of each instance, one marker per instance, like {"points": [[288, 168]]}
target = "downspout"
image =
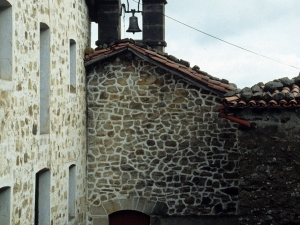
{"points": [[232, 118]]}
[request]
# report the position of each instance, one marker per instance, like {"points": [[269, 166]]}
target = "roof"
{"points": [[165, 61], [283, 92]]}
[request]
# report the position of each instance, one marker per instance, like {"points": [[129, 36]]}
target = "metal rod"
{"points": [[123, 6], [139, 6]]}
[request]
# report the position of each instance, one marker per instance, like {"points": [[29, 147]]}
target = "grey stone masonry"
{"points": [[154, 136], [269, 166]]}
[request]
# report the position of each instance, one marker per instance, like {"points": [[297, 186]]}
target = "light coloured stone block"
{"points": [[126, 204], [149, 206], [97, 210], [134, 203], [141, 204], [103, 220], [112, 206]]}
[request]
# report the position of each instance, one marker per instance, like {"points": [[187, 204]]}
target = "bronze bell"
{"points": [[133, 25]]}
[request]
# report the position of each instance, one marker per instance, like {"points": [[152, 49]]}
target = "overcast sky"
{"points": [[267, 27]]}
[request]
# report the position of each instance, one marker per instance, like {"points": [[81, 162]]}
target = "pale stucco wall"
{"points": [[23, 151]]}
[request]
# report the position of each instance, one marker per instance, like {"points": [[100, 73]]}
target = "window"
{"points": [[5, 40], [72, 65], [72, 192], [42, 198], [5, 205], [44, 79]]}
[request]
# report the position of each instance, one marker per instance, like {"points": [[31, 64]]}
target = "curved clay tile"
{"points": [[242, 103], [182, 69], [294, 103], [295, 88], [273, 103], [283, 102], [295, 91], [285, 90], [223, 85], [262, 103], [215, 82], [286, 105], [233, 103], [252, 103], [162, 60], [217, 87], [104, 53], [205, 78], [230, 99]]}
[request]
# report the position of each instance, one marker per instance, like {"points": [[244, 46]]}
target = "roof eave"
{"points": [[194, 81]]}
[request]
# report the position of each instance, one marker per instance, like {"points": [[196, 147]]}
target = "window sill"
{"points": [[6, 85], [71, 220], [72, 89]]}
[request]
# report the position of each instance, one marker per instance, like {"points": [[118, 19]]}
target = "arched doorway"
{"points": [[129, 217]]}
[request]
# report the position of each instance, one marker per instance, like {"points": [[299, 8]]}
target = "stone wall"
{"points": [[270, 167], [23, 151], [155, 138]]}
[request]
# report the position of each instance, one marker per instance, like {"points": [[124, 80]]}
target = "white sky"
{"points": [[267, 27]]}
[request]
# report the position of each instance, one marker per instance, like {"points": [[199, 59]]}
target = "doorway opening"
{"points": [[129, 217]]}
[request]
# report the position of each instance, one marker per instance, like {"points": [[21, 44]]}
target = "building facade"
{"points": [[129, 133], [42, 113], [156, 144], [268, 151]]}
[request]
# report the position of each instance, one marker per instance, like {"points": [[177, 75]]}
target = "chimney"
{"points": [[109, 20], [154, 24]]}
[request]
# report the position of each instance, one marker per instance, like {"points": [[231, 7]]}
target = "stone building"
{"points": [[156, 143], [129, 133], [143, 106], [269, 163], [42, 111]]}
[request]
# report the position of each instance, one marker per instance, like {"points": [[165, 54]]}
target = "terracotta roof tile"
{"points": [[200, 76], [242, 103], [173, 65], [262, 103], [205, 78], [159, 59], [283, 92], [215, 82]]}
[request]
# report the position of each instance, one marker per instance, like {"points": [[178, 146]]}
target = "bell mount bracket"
{"points": [[133, 11]]}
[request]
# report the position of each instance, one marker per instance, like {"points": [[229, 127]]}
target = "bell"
{"points": [[133, 25]]}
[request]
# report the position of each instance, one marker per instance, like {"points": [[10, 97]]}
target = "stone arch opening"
{"points": [[42, 197], [5, 205], [129, 217]]}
